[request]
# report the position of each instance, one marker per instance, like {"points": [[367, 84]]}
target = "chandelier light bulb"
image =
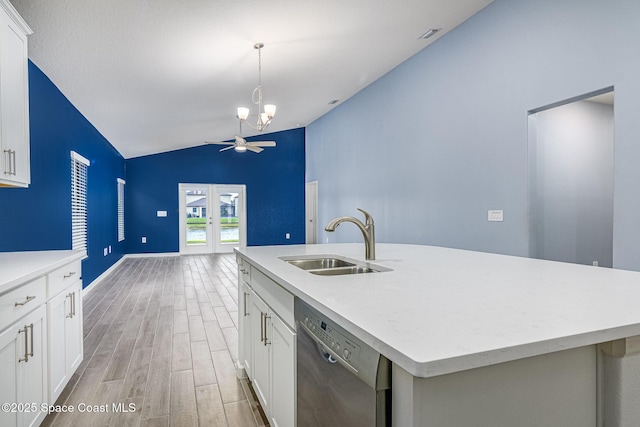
{"points": [[270, 110], [243, 113]]}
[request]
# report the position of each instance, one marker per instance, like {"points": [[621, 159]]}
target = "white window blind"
{"points": [[121, 183], [79, 168]]}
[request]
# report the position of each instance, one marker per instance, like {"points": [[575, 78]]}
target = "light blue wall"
{"points": [[438, 141]]}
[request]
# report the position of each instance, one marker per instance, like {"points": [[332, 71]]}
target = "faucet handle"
{"points": [[368, 218]]}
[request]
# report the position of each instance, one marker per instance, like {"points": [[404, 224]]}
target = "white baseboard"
{"points": [[152, 255]]}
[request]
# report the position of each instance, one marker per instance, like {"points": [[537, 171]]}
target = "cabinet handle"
{"points": [[29, 298], [261, 327], [266, 338], [7, 158], [13, 155], [74, 304], [71, 273], [70, 296], [246, 313], [27, 354]]}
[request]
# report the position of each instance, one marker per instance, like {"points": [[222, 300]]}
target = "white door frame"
{"points": [[212, 192], [311, 212]]}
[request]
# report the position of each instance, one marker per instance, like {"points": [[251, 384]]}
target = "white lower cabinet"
{"points": [[268, 347], [283, 374], [64, 314], [40, 335], [261, 384], [23, 364]]}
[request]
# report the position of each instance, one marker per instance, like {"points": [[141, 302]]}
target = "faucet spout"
{"points": [[367, 229]]}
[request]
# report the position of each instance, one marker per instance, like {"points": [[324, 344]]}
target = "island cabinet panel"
{"points": [[14, 99], [555, 389], [267, 343]]}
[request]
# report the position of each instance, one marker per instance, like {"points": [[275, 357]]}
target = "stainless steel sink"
{"points": [[355, 269], [328, 265], [319, 263]]}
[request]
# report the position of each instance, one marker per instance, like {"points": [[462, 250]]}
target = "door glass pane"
{"points": [[196, 217], [229, 231]]}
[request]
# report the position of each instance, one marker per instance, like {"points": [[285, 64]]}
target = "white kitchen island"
{"points": [[481, 339]]}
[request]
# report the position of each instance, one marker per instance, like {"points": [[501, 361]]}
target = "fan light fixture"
{"points": [[266, 113]]}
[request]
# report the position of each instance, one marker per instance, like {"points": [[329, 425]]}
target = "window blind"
{"points": [[79, 169], [121, 183]]}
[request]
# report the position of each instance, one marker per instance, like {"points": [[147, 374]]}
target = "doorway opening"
{"points": [[212, 218], [571, 164]]}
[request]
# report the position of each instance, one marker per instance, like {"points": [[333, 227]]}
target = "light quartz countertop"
{"points": [[17, 268], [445, 310]]}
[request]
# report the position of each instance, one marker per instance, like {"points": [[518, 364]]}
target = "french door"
{"points": [[212, 218]]}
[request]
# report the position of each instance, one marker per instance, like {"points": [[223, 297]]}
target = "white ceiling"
{"points": [[159, 75]]}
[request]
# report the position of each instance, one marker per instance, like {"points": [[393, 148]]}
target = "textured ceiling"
{"points": [[159, 75]]}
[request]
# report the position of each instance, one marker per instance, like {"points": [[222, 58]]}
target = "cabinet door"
{"points": [[244, 319], [73, 330], [14, 107], [283, 374], [65, 338], [11, 343], [31, 374], [261, 381]]}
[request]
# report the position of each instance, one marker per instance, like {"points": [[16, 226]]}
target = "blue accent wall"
{"points": [[39, 217], [451, 142], [274, 182]]}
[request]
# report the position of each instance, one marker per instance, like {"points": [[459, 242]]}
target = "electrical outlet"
{"points": [[105, 251], [495, 215], [287, 236], [144, 239]]}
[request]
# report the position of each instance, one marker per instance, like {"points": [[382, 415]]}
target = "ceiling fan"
{"points": [[241, 145]]}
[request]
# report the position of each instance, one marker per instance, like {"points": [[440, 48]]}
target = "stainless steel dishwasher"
{"points": [[340, 380]]}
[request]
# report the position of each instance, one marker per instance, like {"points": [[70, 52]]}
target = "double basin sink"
{"points": [[330, 265]]}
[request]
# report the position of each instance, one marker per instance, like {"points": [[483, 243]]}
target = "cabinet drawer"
{"points": [[276, 297], [62, 278], [21, 300], [244, 270]]}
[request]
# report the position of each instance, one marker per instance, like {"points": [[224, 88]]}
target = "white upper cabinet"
{"points": [[14, 99]]}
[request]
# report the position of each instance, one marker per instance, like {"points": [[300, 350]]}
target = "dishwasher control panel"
{"points": [[332, 336]]}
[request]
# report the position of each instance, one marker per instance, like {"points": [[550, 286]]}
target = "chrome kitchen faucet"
{"points": [[367, 231]]}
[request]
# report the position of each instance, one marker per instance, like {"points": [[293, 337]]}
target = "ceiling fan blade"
{"points": [[228, 148], [262, 143], [254, 149], [219, 142]]}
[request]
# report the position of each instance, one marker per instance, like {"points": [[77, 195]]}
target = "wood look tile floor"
{"points": [[160, 339]]}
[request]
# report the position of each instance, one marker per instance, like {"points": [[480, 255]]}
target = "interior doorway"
{"points": [[212, 218], [571, 165]]}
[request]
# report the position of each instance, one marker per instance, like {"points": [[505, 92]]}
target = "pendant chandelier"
{"points": [[266, 112]]}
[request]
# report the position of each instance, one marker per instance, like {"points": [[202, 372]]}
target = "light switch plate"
{"points": [[495, 215]]}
